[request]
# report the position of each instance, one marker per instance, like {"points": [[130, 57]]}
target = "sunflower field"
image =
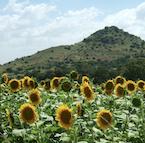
{"points": [[67, 110]]}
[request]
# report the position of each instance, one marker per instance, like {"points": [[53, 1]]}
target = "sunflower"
{"points": [[47, 85], [74, 75], [140, 84], [34, 97], [64, 116], [10, 118], [66, 86], [104, 119], [31, 83], [42, 83], [76, 85], [14, 85], [131, 86], [109, 87], [26, 82], [79, 109], [87, 91], [55, 83], [119, 90], [85, 79], [21, 83], [120, 80], [5, 78], [28, 114], [102, 85]]}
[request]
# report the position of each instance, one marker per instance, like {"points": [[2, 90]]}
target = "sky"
{"points": [[28, 26]]}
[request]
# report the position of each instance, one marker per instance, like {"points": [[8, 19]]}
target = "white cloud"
{"points": [[21, 28], [26, 28], [131, 20]]}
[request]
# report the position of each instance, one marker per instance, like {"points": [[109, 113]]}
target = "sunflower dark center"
{"points": [[66, 117], [42, 83], [131, 86], [31, 83], [28, 113], [14, 85], [74, 75], [87, 92], [56, 82], [26, 83], [109, 86], [106, 118], [47, 85], [119, 80], [34, 97], [141, 85], [66, 86], [120, 90]]}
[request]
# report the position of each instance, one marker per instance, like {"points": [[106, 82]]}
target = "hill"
{"points": [[107, 51]]}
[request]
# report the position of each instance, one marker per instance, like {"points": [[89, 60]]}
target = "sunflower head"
{"points": [[79, 109], [10, 118], [42, 83], [14, 85], [109, 87], [131, 86], [102, 85], [104, 119], [140, 84], [34, 97], [47, 85], [87, 91], [55, 83], [31, 83], [66, 85], [85, 79], [64, 116], [76, 85], [28, 114], [74, 75], [26, 82], [119, 90], [5, 78], [120, 80]]}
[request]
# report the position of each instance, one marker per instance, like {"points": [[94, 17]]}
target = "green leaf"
{"points": [[82, 142], [65, 139], [19, 132]]}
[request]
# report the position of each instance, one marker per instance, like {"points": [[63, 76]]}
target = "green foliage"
{"points": [[135, 70], [128, 118]]}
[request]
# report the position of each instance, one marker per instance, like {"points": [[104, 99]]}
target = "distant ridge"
{"points": [[110, 48]]}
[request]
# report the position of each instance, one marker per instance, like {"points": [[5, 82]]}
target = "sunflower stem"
{"points": [[75, 136], [126, 120], [37, 129], [142, 120]]}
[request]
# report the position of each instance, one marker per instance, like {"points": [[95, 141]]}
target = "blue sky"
{"points": [[33, 25], [105, 5]]}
